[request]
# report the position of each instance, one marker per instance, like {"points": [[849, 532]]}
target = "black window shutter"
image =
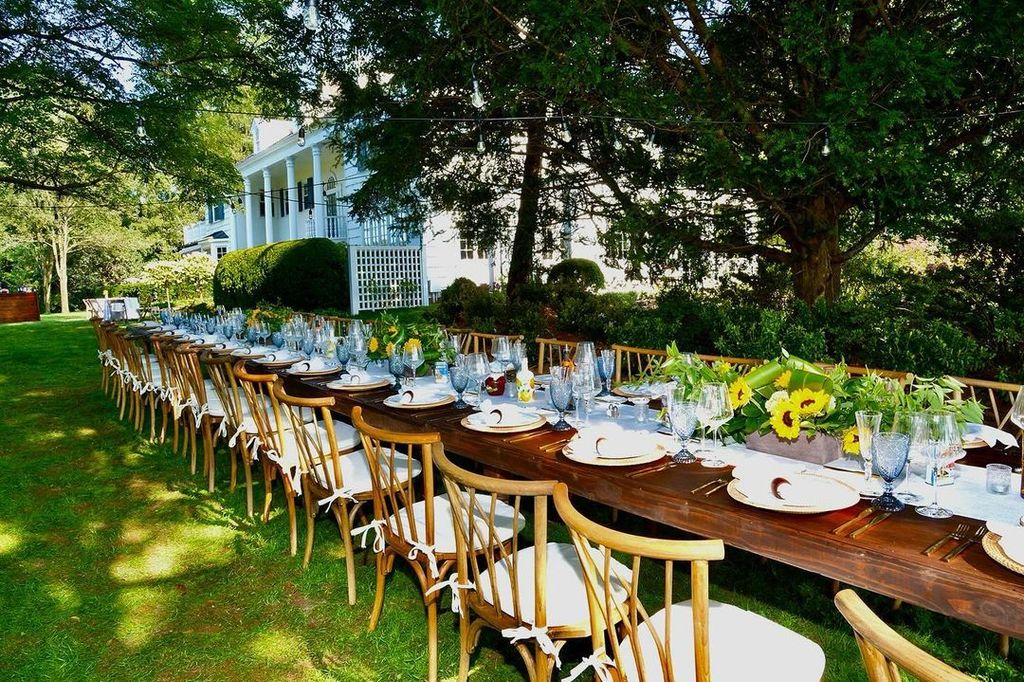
{"points": [[309, 194], [301, 194], [263, 204]]}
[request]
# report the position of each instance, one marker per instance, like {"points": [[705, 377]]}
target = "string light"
{"points": [[480, 147], [652, 149], [616, 142], [564, 133], [477, 98], [301, 140], [826, 150]]}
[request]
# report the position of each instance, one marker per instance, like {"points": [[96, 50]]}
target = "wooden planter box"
{"points": [[820, 449]]}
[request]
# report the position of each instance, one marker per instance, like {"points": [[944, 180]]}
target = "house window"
{"points": [[468, 252], [221, 252], [218, 211]]}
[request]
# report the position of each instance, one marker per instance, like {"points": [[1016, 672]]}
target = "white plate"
{"points": [[512, 420], [844, 496], [395, 401], [593, 459], [539, 422], [342, 385]]}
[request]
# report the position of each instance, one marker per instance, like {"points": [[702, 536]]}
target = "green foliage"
{"points": [[577, 273], [184, 280], [304, 274]]}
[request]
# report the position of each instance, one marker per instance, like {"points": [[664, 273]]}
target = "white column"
{"points": [[232, 219], [250, 211], [268, 200], [319, 210], [293, 199]]}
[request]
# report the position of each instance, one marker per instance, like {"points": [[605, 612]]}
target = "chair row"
{"points": [[464, 532]]}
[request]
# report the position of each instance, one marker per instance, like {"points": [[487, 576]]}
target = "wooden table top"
{"points": [[886, 559]]}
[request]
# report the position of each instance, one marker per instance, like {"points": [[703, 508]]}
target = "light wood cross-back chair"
{"points": [[885, 653], [479, 342], [996, 396], [240, 425], [102, 350], [552, 352], [632, 362], [332, 477], [697, 639], [532, 593], [175, 390], [149, 386], [206, 410]]}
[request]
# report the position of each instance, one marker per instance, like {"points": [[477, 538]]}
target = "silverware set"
{"points": [[864, 514], [710, 487], [966, 539]]}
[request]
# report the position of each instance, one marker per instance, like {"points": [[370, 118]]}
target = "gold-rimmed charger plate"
{"points": [[593, 460], [627, 392], [736, 494], [275, 364], [500, 430], [990, 543], [314, 373], [369, 386], [447, 400]]}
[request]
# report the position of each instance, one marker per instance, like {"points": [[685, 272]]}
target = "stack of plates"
{"points": [[802, 493], [617, 447], [419, 399], [316, 367], [506, 421]]}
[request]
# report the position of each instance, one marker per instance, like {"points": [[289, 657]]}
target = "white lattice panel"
{"points": [[384, 277]]}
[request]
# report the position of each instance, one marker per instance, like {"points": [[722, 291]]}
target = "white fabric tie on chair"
{"points": [[293, 471], [428, 551], [222, 430], [253, 446], [539, 634], [198, 411], [598, 661], [452, 582], [378, 541], [337, 495], [234, 437]]}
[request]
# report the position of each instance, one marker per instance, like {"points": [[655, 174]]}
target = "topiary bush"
{"points": [[304, 274], [576, 273]]}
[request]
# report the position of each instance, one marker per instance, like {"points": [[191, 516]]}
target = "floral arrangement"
{"points": [[789, 396], [388, 335]]}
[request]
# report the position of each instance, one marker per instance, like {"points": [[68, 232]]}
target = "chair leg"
{"points": [[174, 442], [465, 646], [247, 469], [193, 436], [234, 469], [209, 464], [542, 664], [378, 598], [293, 532], [268, 490], [432, 639], [350, 561], [163, 421], [152, 418], [1004, 646], [308, 503]]}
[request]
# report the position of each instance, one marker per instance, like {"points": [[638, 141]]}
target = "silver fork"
{"points": [[978, 535], [959, 534]]}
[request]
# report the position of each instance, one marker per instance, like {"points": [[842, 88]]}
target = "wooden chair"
{"points": [[241, 428], [479, 342], [207, 411], [996, 396], [409, 521], [632, 363], [175, 390], [551, 352], [694, 639], [885, 653], [532, 593], [903, 378]]}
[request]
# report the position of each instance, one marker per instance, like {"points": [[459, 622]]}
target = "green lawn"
{"points": [[117, 564]]}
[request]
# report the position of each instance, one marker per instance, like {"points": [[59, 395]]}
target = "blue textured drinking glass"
{"points": [[342, 351], [682, 414], [459, 378], [277, 338], [889, 459], [606, 368], [560, 393], [396, 365]]}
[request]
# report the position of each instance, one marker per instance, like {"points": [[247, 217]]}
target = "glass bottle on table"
{"points": [[1017, 417]]}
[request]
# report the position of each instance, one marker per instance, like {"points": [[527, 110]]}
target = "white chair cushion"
{"points": [[444, 523], [566, 592], [355, 471], [345, 436], [743, 646]]}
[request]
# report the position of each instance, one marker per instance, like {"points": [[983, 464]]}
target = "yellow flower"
{"points": [[851, 441], [411, 343], [785, 420], [373, 345], [390, 348], [739, 393], [808, 401], [783, 380], [392, 329]]}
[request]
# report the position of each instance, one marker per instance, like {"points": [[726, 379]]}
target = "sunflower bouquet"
{"points": [[390, 335], [790, 397]]}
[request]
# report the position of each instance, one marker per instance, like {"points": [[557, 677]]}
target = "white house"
{"points": [[294, 185]]}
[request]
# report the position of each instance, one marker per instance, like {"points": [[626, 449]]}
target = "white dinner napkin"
{"points": [[497, 414], [611, 441], [279, 356], [1011, 539], [989, 434], [421, 394], [313, 365], [255, 350]]}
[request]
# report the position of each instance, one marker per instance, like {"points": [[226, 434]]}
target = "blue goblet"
{"points": [[890, 451], [396, 365], [277, 338], [459, 379]]}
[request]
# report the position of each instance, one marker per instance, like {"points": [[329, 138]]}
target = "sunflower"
{"points": [[774, 399], [785, 420], [411, 343], [739, 393], [808, 401], [392, 329], [373, 345], [390, 348], [851, 441], [783, 380]]}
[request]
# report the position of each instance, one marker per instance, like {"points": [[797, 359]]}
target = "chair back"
{"points": [[488, 543], [594, 544], [191, 373], [265, 410], [903, 378], [996, 396], [392, 456], [312, 424], [225, 385], [742, 365], [632, 363], [552, 352], [479, 342], [885, 653]]}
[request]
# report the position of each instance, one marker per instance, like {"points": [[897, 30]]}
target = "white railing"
{"points": [[384, 277], [332, 228], [379, 232]]}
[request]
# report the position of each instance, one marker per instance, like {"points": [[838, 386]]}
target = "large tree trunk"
{"points": [[816, 263], [62, 280], [520, 265], [46, 270]]}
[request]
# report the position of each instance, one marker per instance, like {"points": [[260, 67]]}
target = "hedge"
{"points": [[304, 274], [578, 273]]}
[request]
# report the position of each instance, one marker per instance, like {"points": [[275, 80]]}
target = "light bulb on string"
{"points": [[653, 149], [564, 134], [987, 140], [480, 147], [477, 98], [301, 141], [310, 17], [140, 130], [826, 150]]}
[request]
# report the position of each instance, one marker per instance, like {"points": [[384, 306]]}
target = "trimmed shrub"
{"points": [[305, 274], [577, 273]]}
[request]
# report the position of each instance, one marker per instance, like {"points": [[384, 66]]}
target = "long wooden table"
{"points": [[886, 559]]}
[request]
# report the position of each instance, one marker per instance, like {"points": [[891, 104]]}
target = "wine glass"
{"points": [[585, 352], [641, 399], [944, 445], [459, 378], [889, 459], [1017, 410], [413, 358], [606, 368], [342, 351], [682, 414], [560, 390], [501, 351], [478, 369], [357, 351], [396, 364], [585, 384], [714, 409], [868, 423], [457, 342]]}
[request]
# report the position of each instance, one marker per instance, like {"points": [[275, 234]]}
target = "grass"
{"points": [[117, 565]]}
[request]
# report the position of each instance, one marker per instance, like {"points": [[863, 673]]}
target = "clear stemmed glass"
{"points": [[606, 367], [945, 444], [478, 369], [413, 358], [585, 385], [560, 392], [713, 410], [641, 400], [277, 338], [682, 414], [585, 352], [357, 351], [889, 459], [396, 364], [501, 350], [915, 426], [459, 378], [868, 424], [1017, 410]]}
